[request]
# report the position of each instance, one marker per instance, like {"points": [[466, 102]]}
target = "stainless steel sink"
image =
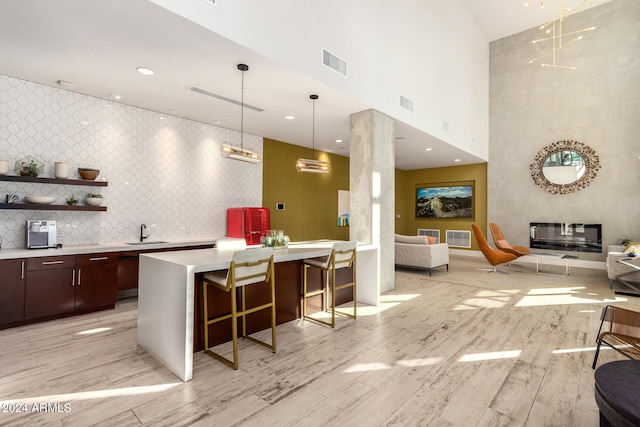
{"points": [[147, 243]]}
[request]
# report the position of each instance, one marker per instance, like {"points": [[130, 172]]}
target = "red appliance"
{"points": [[250, 223]]}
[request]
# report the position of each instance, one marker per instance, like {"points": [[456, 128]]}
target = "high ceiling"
{"points": [[96, 46]]}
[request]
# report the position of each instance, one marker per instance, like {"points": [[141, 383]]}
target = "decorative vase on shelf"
{"points": [[4, 167], [61, 170]]}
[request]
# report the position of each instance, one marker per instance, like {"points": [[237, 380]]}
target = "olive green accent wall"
{"points": [[407, 181], [311, 199]]}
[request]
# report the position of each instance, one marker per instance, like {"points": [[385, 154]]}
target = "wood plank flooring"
{"points": [[463, 348]]}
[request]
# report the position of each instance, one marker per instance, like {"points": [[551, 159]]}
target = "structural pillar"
{"points": [[372, 188]]}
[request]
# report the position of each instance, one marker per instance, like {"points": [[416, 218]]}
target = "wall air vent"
{"points": [[224, 98], [406, 103], [429, 232], [459, 238], [333, 62]]}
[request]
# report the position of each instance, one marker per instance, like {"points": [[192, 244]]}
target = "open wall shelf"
{"points": [[17, 178], [37, 207]]}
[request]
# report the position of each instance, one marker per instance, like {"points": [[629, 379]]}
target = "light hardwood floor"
{"points": [[463, 348]]}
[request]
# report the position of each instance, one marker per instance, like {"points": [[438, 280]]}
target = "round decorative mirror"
{"points": [[564, 167]]}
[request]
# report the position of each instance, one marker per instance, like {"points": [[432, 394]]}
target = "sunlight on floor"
{"points": [[365, 367], [408, 363], [490, 356], [576, 350], [488, 299], [88, 395], [561, 296], [92, 331], [386, 302]]}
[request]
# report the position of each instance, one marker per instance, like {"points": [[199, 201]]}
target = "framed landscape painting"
{"points": [[440, 201]]}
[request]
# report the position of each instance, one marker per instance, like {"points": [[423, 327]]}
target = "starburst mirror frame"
{"points": [[591, 162]]}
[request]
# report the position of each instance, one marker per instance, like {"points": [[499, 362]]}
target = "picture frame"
{"points": [[445, 201]]}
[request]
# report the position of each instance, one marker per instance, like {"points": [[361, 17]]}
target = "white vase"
{"points": [[4, 167], [61, 170]]}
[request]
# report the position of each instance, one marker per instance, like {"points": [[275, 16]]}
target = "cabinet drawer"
{"points": [[51, 262], [96, 259]]}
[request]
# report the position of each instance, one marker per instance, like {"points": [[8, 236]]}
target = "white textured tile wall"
{"points": [[163, 171]]}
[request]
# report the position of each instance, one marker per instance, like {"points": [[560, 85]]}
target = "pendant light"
{"points": [[227, 150], [313, 165]]}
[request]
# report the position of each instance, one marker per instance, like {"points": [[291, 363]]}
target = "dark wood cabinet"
{"points": [[12, 279], [44, 288], [69, 283], [96, 281], [50, 286]]}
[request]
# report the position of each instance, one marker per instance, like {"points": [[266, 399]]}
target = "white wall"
{"points": [[430, 52], [163, 171], [597, 104]]}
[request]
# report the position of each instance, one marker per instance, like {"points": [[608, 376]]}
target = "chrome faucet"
{"points": [[142, 236]]}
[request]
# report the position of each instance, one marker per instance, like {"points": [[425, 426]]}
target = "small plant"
{"points": [[625, 240], [28, 166], [94, 196], [72, 200], [29, 169]]}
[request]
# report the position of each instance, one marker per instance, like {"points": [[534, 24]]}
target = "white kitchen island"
{"points": [[166, 288]]}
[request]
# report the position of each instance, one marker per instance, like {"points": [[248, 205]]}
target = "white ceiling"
{"points": [[97, 45]]}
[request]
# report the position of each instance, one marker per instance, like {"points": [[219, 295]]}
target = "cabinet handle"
{"points": [[52, 262], [102, 258], [73, 278], [22, 271], [79, 274]]}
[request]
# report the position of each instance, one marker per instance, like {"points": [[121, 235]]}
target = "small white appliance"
{"points": [[41, 234]]}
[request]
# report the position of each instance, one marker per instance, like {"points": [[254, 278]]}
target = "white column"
{"points": [[372, 188]]}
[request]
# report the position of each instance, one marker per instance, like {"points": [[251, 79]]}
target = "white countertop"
{"points": [[202, 260], [101, 247]]}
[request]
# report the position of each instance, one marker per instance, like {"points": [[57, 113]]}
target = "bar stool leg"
{"points": [[234, 327], [205, 317]]}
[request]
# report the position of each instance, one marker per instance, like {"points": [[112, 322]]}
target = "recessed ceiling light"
{"points": [[338, 141], [457, 160], [428, 149], [289, 117], [146, 71]]}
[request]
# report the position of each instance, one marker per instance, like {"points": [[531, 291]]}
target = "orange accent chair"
{"points": [[495, 257], [503, 245]]}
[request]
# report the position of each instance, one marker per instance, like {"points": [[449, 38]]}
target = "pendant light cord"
{"points": [[242, 112], [313, 131]]}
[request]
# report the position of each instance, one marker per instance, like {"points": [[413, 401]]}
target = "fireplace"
{"points": [[565, 236]]}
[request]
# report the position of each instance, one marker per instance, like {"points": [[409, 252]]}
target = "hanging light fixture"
{"points": [[240, 153], [313, 165], [555, 34]]}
